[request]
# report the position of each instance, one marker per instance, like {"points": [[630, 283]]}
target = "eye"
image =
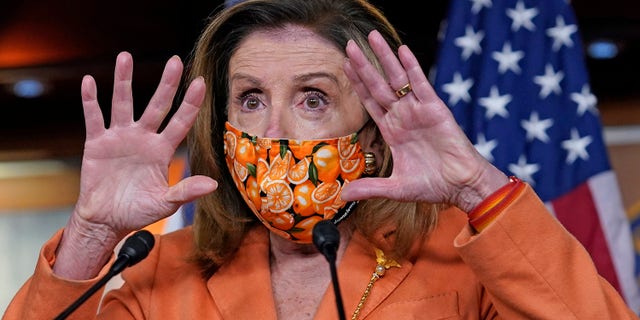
{"points": [[314, 100], [250, 102]]}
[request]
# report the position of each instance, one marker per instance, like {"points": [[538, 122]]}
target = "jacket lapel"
{"points": [[354, 273], [241, 288]]}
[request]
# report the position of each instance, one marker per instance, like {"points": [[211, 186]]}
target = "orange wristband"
{"points": [[482, 215]]}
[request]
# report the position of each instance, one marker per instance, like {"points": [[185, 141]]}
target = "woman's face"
{"points": [[289, 83]]}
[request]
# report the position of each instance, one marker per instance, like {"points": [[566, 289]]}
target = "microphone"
{"points": [[326, 238], [134, 249]]}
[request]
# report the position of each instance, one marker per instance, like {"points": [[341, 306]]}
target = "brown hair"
{"points": [[222, 218]]}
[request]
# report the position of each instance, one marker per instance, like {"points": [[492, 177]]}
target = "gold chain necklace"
{"points": [[382, 264]]}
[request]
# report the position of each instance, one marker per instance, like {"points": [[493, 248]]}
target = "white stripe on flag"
{"points": [[606, 195]]}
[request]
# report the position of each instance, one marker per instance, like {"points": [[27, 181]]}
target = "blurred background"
{"points": [[47, 46]]}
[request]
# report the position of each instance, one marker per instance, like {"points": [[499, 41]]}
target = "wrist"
{"points": [[84, 249], [470, 196]]}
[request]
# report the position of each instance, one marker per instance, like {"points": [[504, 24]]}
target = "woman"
{"points": [[301, 96]]}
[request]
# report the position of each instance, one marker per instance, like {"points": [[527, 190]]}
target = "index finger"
{"points": [[93, 119]]}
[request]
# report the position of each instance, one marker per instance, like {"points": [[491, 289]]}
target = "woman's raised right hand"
{"points": [[124, 176]]}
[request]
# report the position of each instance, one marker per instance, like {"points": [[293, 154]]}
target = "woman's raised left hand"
{"points": [[433, 160]]}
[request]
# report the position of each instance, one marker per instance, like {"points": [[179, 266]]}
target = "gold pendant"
{"points": [[382, 265]]}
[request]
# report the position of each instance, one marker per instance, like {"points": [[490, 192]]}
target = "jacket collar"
{"points": [[241, 288]]}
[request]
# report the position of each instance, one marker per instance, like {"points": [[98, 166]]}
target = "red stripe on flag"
{"points": [[577, 212]]}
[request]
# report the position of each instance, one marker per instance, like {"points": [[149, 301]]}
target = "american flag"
{"points": [[514, 76]]}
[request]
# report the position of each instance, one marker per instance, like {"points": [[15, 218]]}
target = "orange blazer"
{"points": [[525, 265]]}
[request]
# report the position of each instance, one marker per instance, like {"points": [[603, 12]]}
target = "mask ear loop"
{"points": [[344, 212]]}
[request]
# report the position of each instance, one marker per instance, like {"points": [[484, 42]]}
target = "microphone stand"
{"points": [[327, 239], [71, 308], [134, 249], [336, 288]]}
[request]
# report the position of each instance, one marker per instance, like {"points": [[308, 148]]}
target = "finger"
{"points": [[122, 100], [93, 120], [190, 189], [390, 64], [367, 188], [185, 116], [370, 76], [421, 87], [162, 99], [374, 109]]}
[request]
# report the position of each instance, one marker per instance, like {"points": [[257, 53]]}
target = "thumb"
{"points": [[366, 188], [190, 188]]}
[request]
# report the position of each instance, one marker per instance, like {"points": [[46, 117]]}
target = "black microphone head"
{"points": [[326, 238], [137, 246]]}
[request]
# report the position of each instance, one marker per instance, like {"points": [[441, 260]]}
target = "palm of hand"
{"points": [[125, 171], [430, 153], [433, 160], [124, 176]]}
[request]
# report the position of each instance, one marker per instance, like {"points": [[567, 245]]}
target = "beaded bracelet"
{"points": [[482, 215]]}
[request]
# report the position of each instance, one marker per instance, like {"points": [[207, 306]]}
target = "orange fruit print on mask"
{"points": [[292, 184], [326, 161]]}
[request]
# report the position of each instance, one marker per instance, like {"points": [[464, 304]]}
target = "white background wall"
{"points": [[22, 233]]}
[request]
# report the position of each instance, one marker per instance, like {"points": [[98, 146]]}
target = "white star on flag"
{"points": [[479, 4], [561, 34], [458, 89], [549, 82], [586, 100], [470, 42], [486, 147], [522, 17], [576, 146], [508, 59], [524, 170], [536, 128], [495, 103]]}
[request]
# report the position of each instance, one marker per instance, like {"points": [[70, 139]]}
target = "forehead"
{"points": [[293, 46]]}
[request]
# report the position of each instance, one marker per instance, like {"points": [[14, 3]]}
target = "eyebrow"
{"points": [[300, 78], [315, 75], [244, 76]]}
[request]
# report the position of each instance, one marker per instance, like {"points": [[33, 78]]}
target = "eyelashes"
{"points": [[315, 100], [309, 99]]}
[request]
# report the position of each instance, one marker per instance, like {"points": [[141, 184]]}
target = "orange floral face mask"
{"points": [[291, 185]]}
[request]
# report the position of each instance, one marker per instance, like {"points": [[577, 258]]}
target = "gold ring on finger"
{"points": [[404, 90]]}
